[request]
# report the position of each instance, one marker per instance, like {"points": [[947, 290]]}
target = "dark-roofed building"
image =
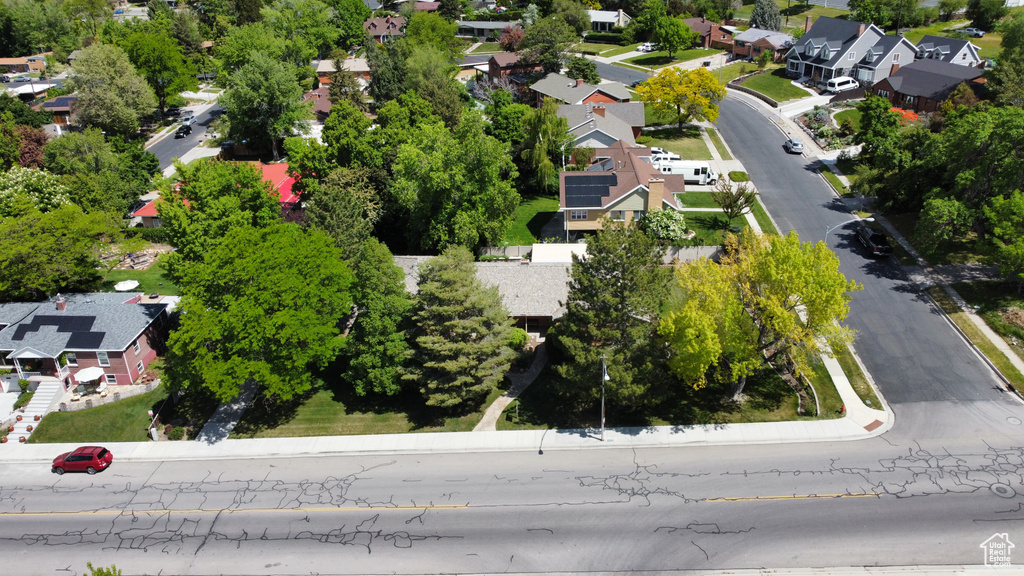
{"points": [[752, 42], [621, 184], [512, 66], [385, 28], [924, 85], [54, 340], [712, 35], [832, 47], [576, 91], [952, 50], [482, 29], [606, 20], [321, 102], [60, 107], [601, 125]]}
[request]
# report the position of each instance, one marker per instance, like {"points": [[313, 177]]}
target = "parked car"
{"points": [[182, 131], [841, 84], [172, 111], [188, 120], [645, 47], [118, 12], [22, 79], [973, 32], [794, 146], [637, 83], [91, 459], [874, 241], [661, 155]]}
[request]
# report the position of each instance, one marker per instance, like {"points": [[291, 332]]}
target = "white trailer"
{"points": [[694, 171]]}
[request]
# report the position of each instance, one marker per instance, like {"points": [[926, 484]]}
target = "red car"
{"points": [[89, 459]]}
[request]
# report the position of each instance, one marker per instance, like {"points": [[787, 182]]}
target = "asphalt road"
{"points": [[620, 74], [170, 147]]}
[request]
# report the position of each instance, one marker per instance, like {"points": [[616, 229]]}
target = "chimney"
{"points": [[701, 19], [387, 20], [860, 30], [60, 302], [579, 81], [599, 110], [655, 194], [807, 24], [895, 67]]}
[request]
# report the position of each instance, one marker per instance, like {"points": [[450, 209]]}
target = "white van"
{"points": [[693, 171], [841, 84]]}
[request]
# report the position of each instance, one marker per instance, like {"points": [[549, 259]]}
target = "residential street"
{"points": [[169, 148], [620, 74]]}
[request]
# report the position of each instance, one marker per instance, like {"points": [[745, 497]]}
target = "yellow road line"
{"points": [[239, 510], [795, 497]]}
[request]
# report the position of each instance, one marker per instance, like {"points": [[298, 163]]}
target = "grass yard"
{"points": [[853, 114], [730, 72], [1001, 362], [963, 250], [531, 216], [763, 220], [709, 226], [833, 179], [857, 378], [616, 50], [988, 47], [739, 176], [719, 144], [487, 48], [605, 50], [689, 145], [796, 12], [150, 280], [1001, 305], [326, 413], [122, 421], [775, 85], [697, 200], [654, 117], [661, 59]]}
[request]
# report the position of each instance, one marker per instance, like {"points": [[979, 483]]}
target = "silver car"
{"points": [[794, 146]]}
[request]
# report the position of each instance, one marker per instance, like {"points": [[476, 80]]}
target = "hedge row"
{"points": [[607, 38]]}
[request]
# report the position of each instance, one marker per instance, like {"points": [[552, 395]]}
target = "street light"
{"points": [[604, 378], [827, 229]]}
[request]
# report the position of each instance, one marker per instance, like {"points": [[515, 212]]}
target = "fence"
{"points": [[673, 253], [94, 400]]}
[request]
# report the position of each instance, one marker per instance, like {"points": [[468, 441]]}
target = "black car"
{"points": [[172, 112], [183, 131]]}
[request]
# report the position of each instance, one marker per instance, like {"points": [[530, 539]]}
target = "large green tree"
{"points": [[376, 346], [307, 26], [685, 94], [431, 29], [673, 34], [461, 332], [573, 13], [547, 43], [264, 307], [985, 14], [162, 63], [1009, 71], [237, 48], [766, 15], [583, 67], [263, 102], [112, 96], [615, 295], [546, 139], [343, 208], [387, 72], [430, 75], [645, 22], [87, 151], [349, 16], [25, 188]]}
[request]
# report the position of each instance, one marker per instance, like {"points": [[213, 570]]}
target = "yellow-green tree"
{"points": [[772, 301], [686, 94]]}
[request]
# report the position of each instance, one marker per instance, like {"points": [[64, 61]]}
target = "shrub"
{"points": [[519, 338], [643, 139], [176, 433], [667, 225], [605, 38], [25, 397], [739, 176], [149, 234]]}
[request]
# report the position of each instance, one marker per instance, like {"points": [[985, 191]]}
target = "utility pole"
{"points": [[604, 378]]}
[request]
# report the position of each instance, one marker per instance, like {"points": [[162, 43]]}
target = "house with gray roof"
{"points": [[952, 50], [482, 29], [923, 86], [605, 20], [832, 47], [601, 125], [576, 91], [54, 340], [752, 42]]}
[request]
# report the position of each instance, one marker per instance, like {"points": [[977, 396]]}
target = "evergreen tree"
{"points": [[462, 334], [376, 346], [387, 72], [766, 16], [339, 209]]}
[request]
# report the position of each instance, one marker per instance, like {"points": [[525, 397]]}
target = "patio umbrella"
{"points": [[89, 374], [126, 285]]}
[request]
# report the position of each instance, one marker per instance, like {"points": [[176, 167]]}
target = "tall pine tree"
{"points": [[766, 16]]}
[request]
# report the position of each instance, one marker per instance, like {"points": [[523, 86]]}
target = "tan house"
{"points": [[620, 184]]}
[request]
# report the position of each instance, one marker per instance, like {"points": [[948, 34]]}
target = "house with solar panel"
{"points": [[52, 341], [621, 184]]}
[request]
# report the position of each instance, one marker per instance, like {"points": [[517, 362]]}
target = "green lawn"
{"points": [[616, 50], [796, 12], [988, 47], [487, 48], [832, 179], [697, 200], [150, 280], [730, 72], [709, 226], [661, 59], [605, 50], [775, 85], [653, 117], [963, 249], [719, 145], [1001, 305], [853, 114], [856, 377], [531, 216], [761, 215], [689, 145], [122, 421]]}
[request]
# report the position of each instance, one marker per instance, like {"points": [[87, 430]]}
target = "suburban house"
{"points": [[321, 102], [832, 47], [751, 43], [482, 29], [712, 35], [17, 65], [357, 66], [605, 20], [427, 6], [570, 91], [60, 107], [148, 215], [601, 125], [52, 341], [923, 86], [510, 65], [952, 50], [385, 28], [620, 184]]}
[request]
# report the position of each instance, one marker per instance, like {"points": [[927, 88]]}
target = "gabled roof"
{"points": [[320, 99], [484, 25], [572, 92], [618, 119], [839, 35], [930, 45], [701, 25], [932, 79], [386, 26], [506, 59], [147, 211], [101, 321], [752, 35], [13, 61], [618, 171], [14, 312], [882, 48], [60, 103], [607, 16], [280, 181]]}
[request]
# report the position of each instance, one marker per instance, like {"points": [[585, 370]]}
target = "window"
{"points": [[578, 215], [638, 214], [852, 56], [157, 223], [111, 379], [139, 366], [618, 215], [136, 347], [869, 57], [103, 358], [895, 57], [826, 53], [71, 358], [883, 93]]}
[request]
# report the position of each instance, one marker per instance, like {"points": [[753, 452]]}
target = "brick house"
{"points": [[54, 340], [510, 65], [576, 91], [753, 42], [924, 85], [712, 35]]}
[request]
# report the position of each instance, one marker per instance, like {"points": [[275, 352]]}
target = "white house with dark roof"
{"points": [[54, 340], [576, 91], [601, 125], [605, 20], [832, 47], [952, 50]]}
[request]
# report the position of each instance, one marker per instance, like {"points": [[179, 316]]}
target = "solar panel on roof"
{"points": [[587, 191], [85, 340]]}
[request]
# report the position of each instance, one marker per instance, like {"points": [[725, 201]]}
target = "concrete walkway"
{"points": [[519, 383], [226, 417]]}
